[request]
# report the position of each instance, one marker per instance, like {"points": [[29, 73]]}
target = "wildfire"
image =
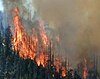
{"points": [[26, 46], [22, 43], [38, 47]]}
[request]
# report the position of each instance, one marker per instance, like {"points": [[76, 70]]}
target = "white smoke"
{"points": [[28, 5]]}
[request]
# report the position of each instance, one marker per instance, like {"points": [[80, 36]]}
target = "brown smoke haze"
{"points": [[77, 22]]}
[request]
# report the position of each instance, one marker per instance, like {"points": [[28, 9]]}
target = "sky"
{"points": [[1, 6]]}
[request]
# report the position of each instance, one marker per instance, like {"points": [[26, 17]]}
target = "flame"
{"points": [[57, 64], [25, 45], [44, 37], [85, 71], [42, 59], [64, 71]]}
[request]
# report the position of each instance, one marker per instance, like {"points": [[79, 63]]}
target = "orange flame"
{"points": [[26, 46], [22, 43], [43, 35], [42, 59], [57, 64], [64, 71], [85, 71]]}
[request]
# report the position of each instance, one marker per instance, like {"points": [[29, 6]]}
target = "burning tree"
{"points": [[26, 47]]}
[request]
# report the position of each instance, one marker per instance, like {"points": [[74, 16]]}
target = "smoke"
{"points": [[28, 4], [77, 22]]}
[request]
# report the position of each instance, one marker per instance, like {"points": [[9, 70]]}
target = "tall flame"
{"points": [[42, 57], [26, 45], [22, 43], [44, 37]]}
